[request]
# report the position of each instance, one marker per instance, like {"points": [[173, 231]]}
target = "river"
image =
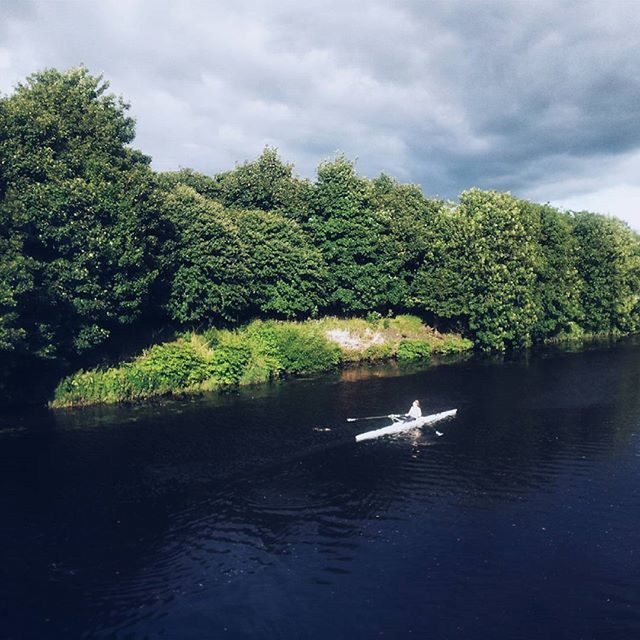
{"points": [[256, 515]]}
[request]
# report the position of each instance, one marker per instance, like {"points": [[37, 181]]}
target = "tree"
{"points": [[557, 288], [364, 258], [287, 272], [411, 216], [267, 184], [204, 262], [608, 261], [203, 184], [481, 269], [76, 220], [443, 283]]}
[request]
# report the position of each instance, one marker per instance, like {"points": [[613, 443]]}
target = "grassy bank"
{"points": [[256, 353], [575, 334]]}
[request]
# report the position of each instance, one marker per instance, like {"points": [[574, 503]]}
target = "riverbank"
{"points": [[254, 354]]}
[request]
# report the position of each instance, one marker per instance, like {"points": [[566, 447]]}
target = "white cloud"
{"points": [[620, 201], [612, 188]]}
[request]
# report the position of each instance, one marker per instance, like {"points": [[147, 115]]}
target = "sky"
{"points": [[541, 99]]}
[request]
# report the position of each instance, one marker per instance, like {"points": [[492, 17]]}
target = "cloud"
{"points": [[607, 185], [536, 98]]}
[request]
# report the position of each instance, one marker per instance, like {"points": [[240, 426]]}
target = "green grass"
{"points": [[254, 354], [409, 350]]}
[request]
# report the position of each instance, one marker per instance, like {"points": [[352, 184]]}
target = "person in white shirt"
{"points": [[414, 412]]}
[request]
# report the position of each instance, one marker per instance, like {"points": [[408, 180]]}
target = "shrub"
{"points": [[211, 337], [413, 350], [303, 349], [229, 361], [454, 344], [91, 387], [166, 367], [350, 356], [378, 352], [262, 340], [572, 332]]}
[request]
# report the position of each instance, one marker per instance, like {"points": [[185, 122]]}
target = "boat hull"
{"points": [[399, 427]]}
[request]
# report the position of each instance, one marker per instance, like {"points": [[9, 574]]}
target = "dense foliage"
{"points": [[608, 263], [482, 268], [204, 274], [92, 240], [267, 184], [356, 239], [255, 353], [287, 274], [76, 226], [558, 285]]}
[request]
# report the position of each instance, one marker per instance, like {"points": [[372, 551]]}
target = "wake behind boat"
{"points": [[399, 426]]}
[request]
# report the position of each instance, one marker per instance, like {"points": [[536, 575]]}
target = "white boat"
{"points": [[400, 426]]}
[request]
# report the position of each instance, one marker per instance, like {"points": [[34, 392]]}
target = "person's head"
{"points": [[416, 403]]}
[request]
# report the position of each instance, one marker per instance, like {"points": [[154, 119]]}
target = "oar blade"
{"points": [[370, 418]]}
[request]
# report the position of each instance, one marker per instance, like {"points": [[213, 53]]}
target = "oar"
{"points": [[371, 418]]}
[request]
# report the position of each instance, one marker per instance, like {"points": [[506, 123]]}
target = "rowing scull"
{"points": [[400, 426]]}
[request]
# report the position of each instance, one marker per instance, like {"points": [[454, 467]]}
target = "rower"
{"points": [[414, 413]]}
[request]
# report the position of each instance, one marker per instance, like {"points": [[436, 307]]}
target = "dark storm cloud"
{"points": [[539, 98]]}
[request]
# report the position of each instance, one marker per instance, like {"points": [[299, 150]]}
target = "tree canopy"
{"points": [[76, 224], [92, 240]]}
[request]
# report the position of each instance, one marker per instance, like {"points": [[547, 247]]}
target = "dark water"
{"points": [[236, 517]]}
